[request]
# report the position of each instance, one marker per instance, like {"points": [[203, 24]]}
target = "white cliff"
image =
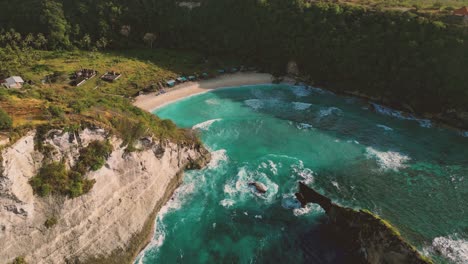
{"points": [[113, 220]]}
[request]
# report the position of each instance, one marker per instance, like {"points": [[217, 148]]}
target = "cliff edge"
{"points": [[109, 224], [368, 238]]}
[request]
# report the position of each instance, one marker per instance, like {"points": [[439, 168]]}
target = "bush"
{"points": [[19, 260], [94, 156], [54, 178], [56, 111], [5, 120], [50, 222]]}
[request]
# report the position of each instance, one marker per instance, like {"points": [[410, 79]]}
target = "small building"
{"points": [[14, 82], [181, 79], [171, 83], [81, 76], [461, 12], [111, 76], [205, 75], [192, 78]]}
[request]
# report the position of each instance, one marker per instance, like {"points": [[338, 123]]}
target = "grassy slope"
{"points": [[100, 102]]}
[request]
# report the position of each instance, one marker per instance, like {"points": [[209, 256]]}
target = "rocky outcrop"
{"points": [[368, 238], [112, 222]]}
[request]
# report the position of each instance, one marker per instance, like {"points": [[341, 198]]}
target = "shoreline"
{"points": [[150, 102]]}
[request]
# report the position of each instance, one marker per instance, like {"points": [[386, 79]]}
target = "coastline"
{"points": [[150, 102]]}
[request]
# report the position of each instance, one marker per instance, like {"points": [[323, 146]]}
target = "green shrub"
{"points": [[94, 156], [5, 120], [19, 260], [54, 179], [56, 111], [50, 222]]}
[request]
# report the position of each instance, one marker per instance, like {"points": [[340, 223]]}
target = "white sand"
{"points": [[150, 102]]}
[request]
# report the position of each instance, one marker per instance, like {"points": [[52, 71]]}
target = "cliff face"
{"points": [[109, 224], [367, 237]]}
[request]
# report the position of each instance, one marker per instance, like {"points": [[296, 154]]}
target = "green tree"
{"points": [[5, 120]]}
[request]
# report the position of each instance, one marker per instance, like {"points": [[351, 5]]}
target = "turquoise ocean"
{"points": [[407, 170]]}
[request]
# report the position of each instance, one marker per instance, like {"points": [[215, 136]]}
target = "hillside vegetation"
{"points": [[410, 58]]}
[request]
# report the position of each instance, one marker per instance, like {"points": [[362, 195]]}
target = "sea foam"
{"points": [[388, 160], [299, 106], [386, 128], [206, 125], [327, 111], [454, 249], [401, 115], [217, 157]]}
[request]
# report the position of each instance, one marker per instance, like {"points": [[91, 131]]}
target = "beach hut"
{"points": [[192, 78], [205, 75], [221, 71], [171, 83], [181, 79], [13, 82], [234, 69]]}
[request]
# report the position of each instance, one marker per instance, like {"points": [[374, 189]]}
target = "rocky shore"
{"points": [[112, 222], [368, 238]]}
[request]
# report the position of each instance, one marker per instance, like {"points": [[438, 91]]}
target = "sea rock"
{"points": [[369, 238], [259, 187]]}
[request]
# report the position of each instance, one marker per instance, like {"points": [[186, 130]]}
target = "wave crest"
{"points": [[389, 160], [454, 249], [206, 125]]}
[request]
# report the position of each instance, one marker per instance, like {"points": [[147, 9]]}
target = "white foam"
{"points": [[401, 115], [327, 111], [206, 125], [239, 189], [386, 128], [309, 208], [273, 167], [304, 126], [217, 157], [212, 101], [254, 103], [389, 160], [454, 249], [306, 174], [301, 106], [301, 91], [337, 186], [227, 203]]}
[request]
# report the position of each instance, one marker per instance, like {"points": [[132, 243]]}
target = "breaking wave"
{"points": [[239, 188], [453, 249], [401, 115], [301, 106], [327, 111], [303, 126], [217, 157], [386, 128], [389, 160], [206, 125]]}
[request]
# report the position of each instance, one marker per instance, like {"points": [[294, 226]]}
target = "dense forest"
{"points": [[409, 58]]}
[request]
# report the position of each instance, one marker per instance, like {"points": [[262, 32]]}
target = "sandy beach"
{"points": [[150, 102]]}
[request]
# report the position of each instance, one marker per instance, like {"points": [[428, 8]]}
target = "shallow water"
{"points": [[408, 171]]}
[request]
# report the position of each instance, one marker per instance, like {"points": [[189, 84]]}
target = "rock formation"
{"points": [[111, 223], [369, 238]]}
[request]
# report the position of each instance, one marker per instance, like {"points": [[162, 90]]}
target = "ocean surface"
{"points": [[407, 170]]}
